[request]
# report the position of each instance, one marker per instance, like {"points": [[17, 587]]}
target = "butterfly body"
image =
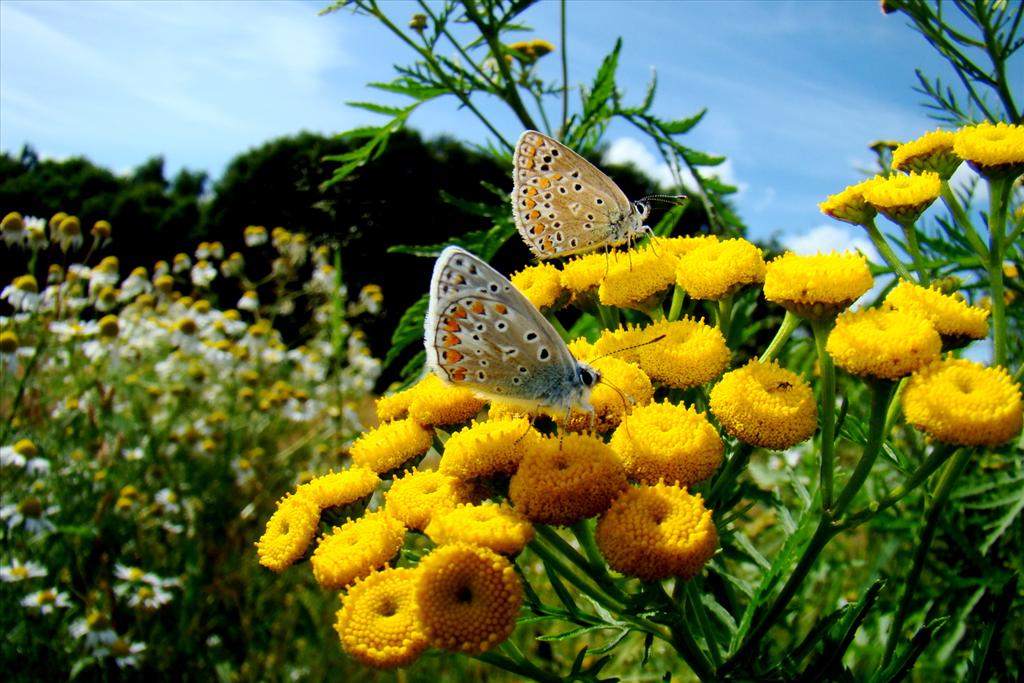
{"points": [[482, 333], [565, 205]]}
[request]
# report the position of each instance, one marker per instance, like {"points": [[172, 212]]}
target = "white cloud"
{"points": [[627, 150], [828, 237]]}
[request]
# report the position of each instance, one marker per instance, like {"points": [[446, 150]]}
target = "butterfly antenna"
{"points": [[627, 402], [529, 424], [673, 199], [627, 348]]}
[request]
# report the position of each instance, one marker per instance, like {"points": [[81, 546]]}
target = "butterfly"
{"points": [[565, 205], [482, 333]]}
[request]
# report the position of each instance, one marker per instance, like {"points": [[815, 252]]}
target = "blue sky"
{"points": [[795, 91]]}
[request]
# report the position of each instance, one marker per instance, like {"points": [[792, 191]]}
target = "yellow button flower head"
{"points": [[654, 532], [956, 322], [581, 275], [490, 525], [622, 386], [992, 149], [765, 405], [903, 198], [817, 286], [437, 403], [391, 445], [931, 152], [690, 354], [417, 496], [884, 344], [849, 205], [488, 448], [638, 279], [357, 548], [664, 441], [566, 479], [337, 489], [541, 284], [377, 622], [396, 406], [289, 532], [467, 598], [680, 246], [963, 403], [716, 270]]}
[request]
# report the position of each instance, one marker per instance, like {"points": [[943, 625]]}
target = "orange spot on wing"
{"points": [[547, 245], [529, 203], [501, 308], [460, 312], [534, 215], [451, 340], [530, 191], [452, 356], [459, 375], [544, 183], [556, 176], [478, 308], [451, 325], [538, 228]]}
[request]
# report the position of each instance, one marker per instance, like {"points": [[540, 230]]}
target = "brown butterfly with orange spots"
{"points": [[482, 333]]}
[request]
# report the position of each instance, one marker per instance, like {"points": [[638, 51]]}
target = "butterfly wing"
{"points": [[562, 203], [481, 332]]}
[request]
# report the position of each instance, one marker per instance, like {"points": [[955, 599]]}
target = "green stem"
{"points": [[933, 462], [999, 190], [683, 641], [881, 393], [557, 324], [828, 410], [733, 468], [725, 315], [910, 233], [822, 535], [963, 221], [523, 668], [790, 322], [676, 307], [882, 245], [541, 545], [947, 482], [702, 618], [565, 75]]}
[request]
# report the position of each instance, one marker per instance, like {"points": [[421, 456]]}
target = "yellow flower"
{"points": [[378, 624], [396, 406], [357, 548], [664, 441], [541, 284], [716, 270], [581, 275], [8, 341], [690, 354], [490, 525], [931, 152], [681, 246], [849, 205], [623, 385], [654, 532], [765, 405], [484, 449], [392, 444], [885, 344], [902, 198], [337, 489], [288, 533], [467, 598], [416, 497], [638, 279], [957, 322], [541, 47], [817, 286], [992, 149], [963, 403], [563, 480], [437, 403], [109, 326]]}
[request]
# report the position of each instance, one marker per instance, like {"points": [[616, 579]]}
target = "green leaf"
{"points": [[831, 659], [604, 83], [409, 329], [902, 665], [572, 633], [680, 126], [405, 86], [380, 108]]}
